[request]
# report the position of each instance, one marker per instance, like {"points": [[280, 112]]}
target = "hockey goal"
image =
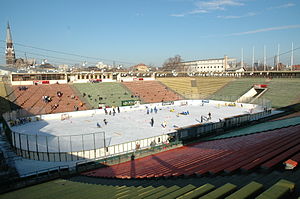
{"points": [[65, 116]]}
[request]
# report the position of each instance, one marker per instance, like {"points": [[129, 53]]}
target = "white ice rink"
{"points": [[133, 124], [128, 125]]}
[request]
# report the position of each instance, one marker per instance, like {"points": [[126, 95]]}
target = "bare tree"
{"points": [[173, 63]]}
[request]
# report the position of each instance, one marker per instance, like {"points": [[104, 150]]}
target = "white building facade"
{"points": [[210, 65]]}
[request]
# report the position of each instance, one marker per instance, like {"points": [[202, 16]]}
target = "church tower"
{"points": [[9, 52]]}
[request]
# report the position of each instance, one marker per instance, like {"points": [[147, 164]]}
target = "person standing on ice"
{"points": [[152, 122], [164, 124], [98, 125], [209, 115], [105, 121]]}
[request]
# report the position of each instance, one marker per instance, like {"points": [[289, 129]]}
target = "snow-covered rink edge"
{"points": [[132, 123]]}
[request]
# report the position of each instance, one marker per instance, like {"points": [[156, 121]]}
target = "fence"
{"points": [[93, 146], [68, 148], [96, 146], [206, 129]]}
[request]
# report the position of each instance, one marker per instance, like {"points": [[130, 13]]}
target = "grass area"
{"points": [[108, 93]]}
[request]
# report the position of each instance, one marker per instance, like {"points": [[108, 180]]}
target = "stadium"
{"points": [[83, 116], [230, 135]]}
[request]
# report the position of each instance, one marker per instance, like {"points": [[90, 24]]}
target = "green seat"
{"points": [[200, 191], [220, 192], [179, 192], [136, 192], [163, 192], [279, 190], [247, 191], [150, 192]]}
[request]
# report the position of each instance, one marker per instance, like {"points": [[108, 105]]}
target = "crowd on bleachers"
{"points": [[44, 99]]}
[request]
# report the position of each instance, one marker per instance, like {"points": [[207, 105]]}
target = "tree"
{"points": [[173, 63]]}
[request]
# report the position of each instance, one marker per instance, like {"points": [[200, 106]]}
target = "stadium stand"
{"points": [[236, 88], [279, 90], [208, 85], [4, 103], [224, 155], [151, 91], [195, 87], [68, 188], [265, 126], [108, 93], [181, 85], [32, 98], [245, 163]]}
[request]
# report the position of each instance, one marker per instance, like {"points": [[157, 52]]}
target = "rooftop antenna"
{"points": [[253, 58], [292, 56], [265, 60]]}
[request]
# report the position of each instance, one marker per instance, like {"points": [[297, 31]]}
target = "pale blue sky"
{"points": [[150, 31]]}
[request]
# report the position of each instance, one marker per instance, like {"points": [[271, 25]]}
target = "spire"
{"points": [[9, 52], [8, 34]]}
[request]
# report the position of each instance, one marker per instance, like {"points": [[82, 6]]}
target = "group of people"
{"points": [[104, 121], [113, 111], [22, 88], [163, 124], [53, 107], [46, 98], [151, 110]]}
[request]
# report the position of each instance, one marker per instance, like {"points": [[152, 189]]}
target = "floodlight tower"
{"points": [[265, 60], [253, 58], [292, 56], [242, 59], [278, 49]]}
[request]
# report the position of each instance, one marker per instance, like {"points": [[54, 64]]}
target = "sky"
{"points": [[150, 31]]}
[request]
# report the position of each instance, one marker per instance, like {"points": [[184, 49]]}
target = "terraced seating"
{"points": [[62, 188], [4, 104], [200, 191], [265, 126], [181, 85], [202, 87], [31, 99], [247, 191], [108, 93], [151, 91], [224, 155], [236, 88], [209, 85], [279, 90], [281, 189], [221, 192]]}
